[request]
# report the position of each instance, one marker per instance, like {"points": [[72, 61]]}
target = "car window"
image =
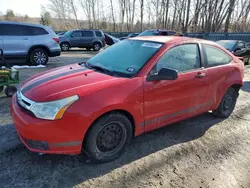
{"points": [[88, 34], [229, 45], [216, 56], [76, 34], [240, 45], [149, 33], [98, 33], [133, 54], [181, 58], [12, 30], [164, 33], [30, 30]]}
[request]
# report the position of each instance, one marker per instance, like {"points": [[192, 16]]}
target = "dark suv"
{"points": [[155, 32], [89, 39]]}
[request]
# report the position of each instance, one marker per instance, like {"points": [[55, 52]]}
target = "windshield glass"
{"points": [[126, 57], [149, 33], [67, 33], [227, 44]]}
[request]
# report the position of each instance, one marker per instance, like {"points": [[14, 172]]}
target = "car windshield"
{"points": [[125, 58], [67, 33], [227, 44], [149, 33]]}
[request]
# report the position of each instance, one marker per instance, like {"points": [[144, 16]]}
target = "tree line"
{"points": [[138, 15]]}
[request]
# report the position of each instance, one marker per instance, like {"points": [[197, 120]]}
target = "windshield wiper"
{"points": [[99, 68]]}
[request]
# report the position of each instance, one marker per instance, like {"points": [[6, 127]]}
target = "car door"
{"points": [[87, 38], [15, 40], [1, 41], [75, 38], [172, 100], [216, 65]]}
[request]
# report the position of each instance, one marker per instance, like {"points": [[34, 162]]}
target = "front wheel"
{"points": [[108, 137], [10, 90], [39, 57], [227, 104]]}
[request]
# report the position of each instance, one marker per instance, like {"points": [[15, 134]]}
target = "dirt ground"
{"points": [[203, 152]]}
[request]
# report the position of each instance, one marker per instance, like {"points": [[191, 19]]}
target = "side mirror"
{"points": [[163, 74]]}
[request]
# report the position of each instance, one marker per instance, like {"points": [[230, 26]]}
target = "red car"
{"points": [[132, 87]]}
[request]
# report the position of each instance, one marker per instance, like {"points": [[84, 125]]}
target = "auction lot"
{"points": [[202, 152]]}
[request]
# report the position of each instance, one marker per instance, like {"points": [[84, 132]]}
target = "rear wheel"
{"points": [[108, 137], [227, 104], [39, 57], [97, 46], [10, 90]]}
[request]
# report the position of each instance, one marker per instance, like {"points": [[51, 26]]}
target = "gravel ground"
{"points": [[200, 152]]}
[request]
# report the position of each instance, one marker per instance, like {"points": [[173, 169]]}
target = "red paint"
{"points": [[145, 101]]}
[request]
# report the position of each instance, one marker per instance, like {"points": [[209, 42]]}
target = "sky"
{"points": [[30, 7]]}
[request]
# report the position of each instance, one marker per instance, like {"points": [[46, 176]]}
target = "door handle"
{"points": [[25, 39], [200, 75]]}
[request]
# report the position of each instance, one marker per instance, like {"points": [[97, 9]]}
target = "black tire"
{"points": [[39, 57], [108, 137], [65, 46], [88, 49], [227, 104], [247, 62], [1, 88], [10, 90], [97, 46]]}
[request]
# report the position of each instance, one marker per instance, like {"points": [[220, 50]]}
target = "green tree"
{"points": [[9, 15], [46, 19]]}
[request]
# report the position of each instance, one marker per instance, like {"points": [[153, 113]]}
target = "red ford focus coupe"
{"points": [[132, 87]]}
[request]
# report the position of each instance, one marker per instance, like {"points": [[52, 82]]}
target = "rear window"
{"points": [[149, 33], [20, 30], [88, 34], [216, 57], [36, 30], [98, 33], [229, 45]]}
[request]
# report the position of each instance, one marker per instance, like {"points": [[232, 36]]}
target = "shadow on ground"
{"points": [[73, 170]]}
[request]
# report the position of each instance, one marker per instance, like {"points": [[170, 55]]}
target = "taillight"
{"points": [[56, 39]]}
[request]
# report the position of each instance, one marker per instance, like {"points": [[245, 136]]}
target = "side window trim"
{"points": [[200, 56]]}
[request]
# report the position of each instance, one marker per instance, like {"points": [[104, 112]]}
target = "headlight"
{"points": [[53, 110]]}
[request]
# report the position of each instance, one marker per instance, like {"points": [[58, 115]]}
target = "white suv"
{"points": [[28, 41]]}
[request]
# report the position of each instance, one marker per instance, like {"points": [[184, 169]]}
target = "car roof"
{"points": [[23, 23], [170, 39]]}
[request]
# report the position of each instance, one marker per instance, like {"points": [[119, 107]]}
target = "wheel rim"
{"points": [[96, 46], [65, 47], [110, 138], [10, 92], [40, 57], [228, 101]]}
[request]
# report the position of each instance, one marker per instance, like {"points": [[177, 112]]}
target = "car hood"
{"points": [[64, 82]]}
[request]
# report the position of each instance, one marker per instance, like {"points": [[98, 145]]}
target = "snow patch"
{"points": [[28, 67]]}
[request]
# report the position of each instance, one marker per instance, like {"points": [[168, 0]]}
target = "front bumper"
{"points": [[44, 136]]}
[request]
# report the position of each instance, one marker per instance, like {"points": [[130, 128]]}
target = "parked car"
{"points": [[28, 41], [238, 48], [155, 32], [131, 35], [130, 88], [110, 40], [89, 39]]}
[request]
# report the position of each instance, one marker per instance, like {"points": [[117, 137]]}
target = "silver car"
{"points": [[28, 41]]}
